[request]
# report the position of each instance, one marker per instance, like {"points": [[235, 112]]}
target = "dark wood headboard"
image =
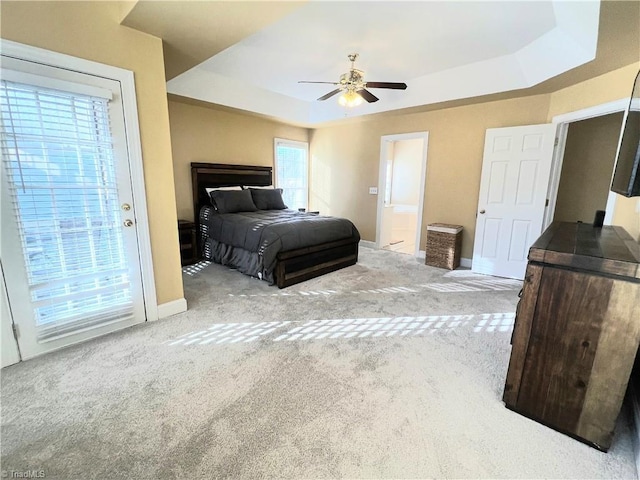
{"points": [[207, 175]]}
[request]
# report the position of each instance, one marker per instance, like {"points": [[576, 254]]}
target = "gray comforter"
{"points": [[251, 241]]}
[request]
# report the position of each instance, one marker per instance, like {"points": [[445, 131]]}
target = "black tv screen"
{"points": [[626, 178]]}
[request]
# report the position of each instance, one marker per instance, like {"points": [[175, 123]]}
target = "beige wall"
{"points": [[596, 91], [605, 88], [345, 158], [203, 134], [627, 214], [90, 30], [345, 161], [587, 167]]}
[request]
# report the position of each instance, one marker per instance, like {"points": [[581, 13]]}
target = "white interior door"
{"points": [[513, 192], [69, 243]]}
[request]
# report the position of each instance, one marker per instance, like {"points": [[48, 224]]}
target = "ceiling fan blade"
{"points": [[330, 94], [393, 85], [306, 81], [367, 95]]}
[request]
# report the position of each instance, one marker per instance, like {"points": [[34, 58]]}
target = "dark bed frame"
{"points": [[292, 266]]}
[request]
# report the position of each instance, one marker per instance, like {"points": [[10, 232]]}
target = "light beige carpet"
{"points": [[386, 369]]}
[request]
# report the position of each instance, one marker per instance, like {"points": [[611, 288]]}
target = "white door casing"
{"points": [[564, 121], [385, 142], [513, 192], [125, 149], [9, 353], [386, 226], [9, 349]]}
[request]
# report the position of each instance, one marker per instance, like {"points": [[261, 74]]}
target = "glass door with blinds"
{"points": [[69, 245]]}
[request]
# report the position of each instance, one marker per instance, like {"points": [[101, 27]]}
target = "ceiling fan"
{"points": [[354, 88]]}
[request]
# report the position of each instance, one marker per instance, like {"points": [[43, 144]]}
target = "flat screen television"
{"points": [[626, 177]]}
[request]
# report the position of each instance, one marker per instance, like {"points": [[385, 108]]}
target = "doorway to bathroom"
{"points": [[403, 160]]}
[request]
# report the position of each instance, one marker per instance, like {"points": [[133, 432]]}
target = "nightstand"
{"points": [[187, 237]]}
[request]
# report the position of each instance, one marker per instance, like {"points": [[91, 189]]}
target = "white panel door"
{"points": [[69, 242], [513, 192]]}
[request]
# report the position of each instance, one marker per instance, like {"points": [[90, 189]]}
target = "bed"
{"points": [[282, 247]]}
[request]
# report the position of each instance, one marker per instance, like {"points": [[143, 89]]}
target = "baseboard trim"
{"points": [[172, 308], [464, 262]]}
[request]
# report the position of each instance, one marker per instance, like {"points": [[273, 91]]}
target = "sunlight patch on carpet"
{"points": [[246, 332], [488, 285], [465, 274], [397, 326], [196, 268], [475, 286], [228, 333], [388, 290], [308, 293]]}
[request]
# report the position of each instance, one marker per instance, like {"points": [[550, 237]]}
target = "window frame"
{"points": [[296, 144]]}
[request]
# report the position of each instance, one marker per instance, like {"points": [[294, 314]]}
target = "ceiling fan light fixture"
{"points": [[349, 99], [353, 88]]}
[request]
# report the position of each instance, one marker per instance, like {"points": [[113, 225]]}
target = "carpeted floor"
{"points": [[386, 369]]}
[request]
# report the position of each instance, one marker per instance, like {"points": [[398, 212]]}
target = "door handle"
{"points": [[128, 223], [482, 211]]}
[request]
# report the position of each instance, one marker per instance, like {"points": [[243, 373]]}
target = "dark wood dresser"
{"points": [[577, 330]]}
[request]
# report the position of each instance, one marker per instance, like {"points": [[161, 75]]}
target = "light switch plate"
{"points": [[373, 190]]}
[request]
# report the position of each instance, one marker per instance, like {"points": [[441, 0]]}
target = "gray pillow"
{"points": [[232, 201], [268, 199]]}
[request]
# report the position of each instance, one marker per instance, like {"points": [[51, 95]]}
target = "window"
{"points": [[292, 172]]}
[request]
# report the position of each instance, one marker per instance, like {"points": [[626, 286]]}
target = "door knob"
{"points": [[126, 207], [128, 223], [482, 211]]}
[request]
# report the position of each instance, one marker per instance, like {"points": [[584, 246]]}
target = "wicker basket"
{"points": [[444, 243]]}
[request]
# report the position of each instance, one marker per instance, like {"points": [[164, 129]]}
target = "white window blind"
{"points": [[59, 164], [292, 172]]}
